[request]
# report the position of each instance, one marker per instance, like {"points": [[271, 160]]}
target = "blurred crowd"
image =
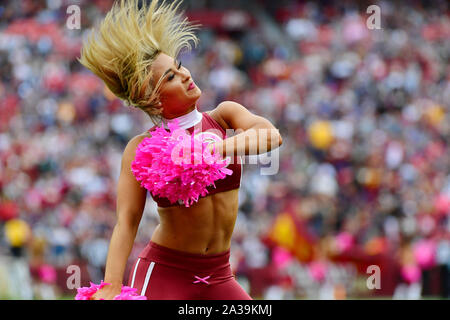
{"points": [[364, 169]]}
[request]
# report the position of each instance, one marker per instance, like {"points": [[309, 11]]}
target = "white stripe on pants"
{"points": [[134, 272], [147, 278]]}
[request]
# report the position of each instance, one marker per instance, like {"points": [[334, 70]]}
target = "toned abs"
{"points": [[205, 227]]}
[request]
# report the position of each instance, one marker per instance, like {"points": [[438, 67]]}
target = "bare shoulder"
{"points": [[236, 116], [216, 114], [138, 138], [145, 134], [132, 144]]}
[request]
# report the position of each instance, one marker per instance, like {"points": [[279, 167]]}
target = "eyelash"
{"points": [[173, 75]]}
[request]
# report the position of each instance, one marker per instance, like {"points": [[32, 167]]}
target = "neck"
{"points": [[185, 121]]}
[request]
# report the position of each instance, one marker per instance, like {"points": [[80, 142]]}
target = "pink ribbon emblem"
{"points": [[202, 279]]}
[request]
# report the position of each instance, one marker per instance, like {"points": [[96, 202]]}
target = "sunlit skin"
{"points": [[207, 226], [175, 98]]}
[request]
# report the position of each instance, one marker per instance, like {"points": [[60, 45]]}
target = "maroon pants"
{"points": [[162, 273]]}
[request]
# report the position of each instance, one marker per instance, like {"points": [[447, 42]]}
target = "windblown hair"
{"points": [[128, 41]]}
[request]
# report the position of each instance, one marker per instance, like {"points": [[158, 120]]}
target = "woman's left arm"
{"points": [[253, 134]]}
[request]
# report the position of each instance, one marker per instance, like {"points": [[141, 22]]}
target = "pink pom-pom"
{"points": [[126, 293], [129, 293], [85, 293], [176, 165]]}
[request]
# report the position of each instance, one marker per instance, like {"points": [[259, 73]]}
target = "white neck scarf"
{"points": [[187, 120]]}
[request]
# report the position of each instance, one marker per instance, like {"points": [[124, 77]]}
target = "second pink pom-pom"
{"points": [[127, 293]]}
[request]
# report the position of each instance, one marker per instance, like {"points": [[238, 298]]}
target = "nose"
{"points": [[185, 74]]}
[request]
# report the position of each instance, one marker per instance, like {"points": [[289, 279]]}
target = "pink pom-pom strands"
{"points": [[85, 293], [177, 166], [127, 293]]}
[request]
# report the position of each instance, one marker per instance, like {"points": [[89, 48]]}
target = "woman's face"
{"points": [[178, 92]]}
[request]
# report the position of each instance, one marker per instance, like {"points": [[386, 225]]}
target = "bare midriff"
{"points": [[205, 227]]}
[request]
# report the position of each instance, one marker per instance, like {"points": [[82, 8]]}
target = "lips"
{"points": [[191, 86]]}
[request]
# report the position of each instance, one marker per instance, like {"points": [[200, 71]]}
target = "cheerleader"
{"points": [[135, 52]]}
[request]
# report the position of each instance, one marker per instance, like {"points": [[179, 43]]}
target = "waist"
{"points": [[186, 260], [206, 227]]}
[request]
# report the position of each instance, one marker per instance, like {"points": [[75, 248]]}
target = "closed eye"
{"points": [[173, 75]]}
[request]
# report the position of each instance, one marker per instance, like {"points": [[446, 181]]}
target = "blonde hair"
{"points": [[128, 41]]}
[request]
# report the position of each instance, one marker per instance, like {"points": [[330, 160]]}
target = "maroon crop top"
{"points": [[230, 182]]}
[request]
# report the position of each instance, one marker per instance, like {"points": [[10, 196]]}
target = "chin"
{"points": [[196, 91], [196, 98]]}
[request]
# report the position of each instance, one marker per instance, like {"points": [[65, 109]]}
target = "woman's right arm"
{"points": [[130, 206]]}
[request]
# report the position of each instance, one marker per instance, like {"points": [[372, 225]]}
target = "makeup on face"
{"points": [[191, 86], [178, 92]]}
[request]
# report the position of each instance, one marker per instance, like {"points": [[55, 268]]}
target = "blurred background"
{"points": [[364, 169]]}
